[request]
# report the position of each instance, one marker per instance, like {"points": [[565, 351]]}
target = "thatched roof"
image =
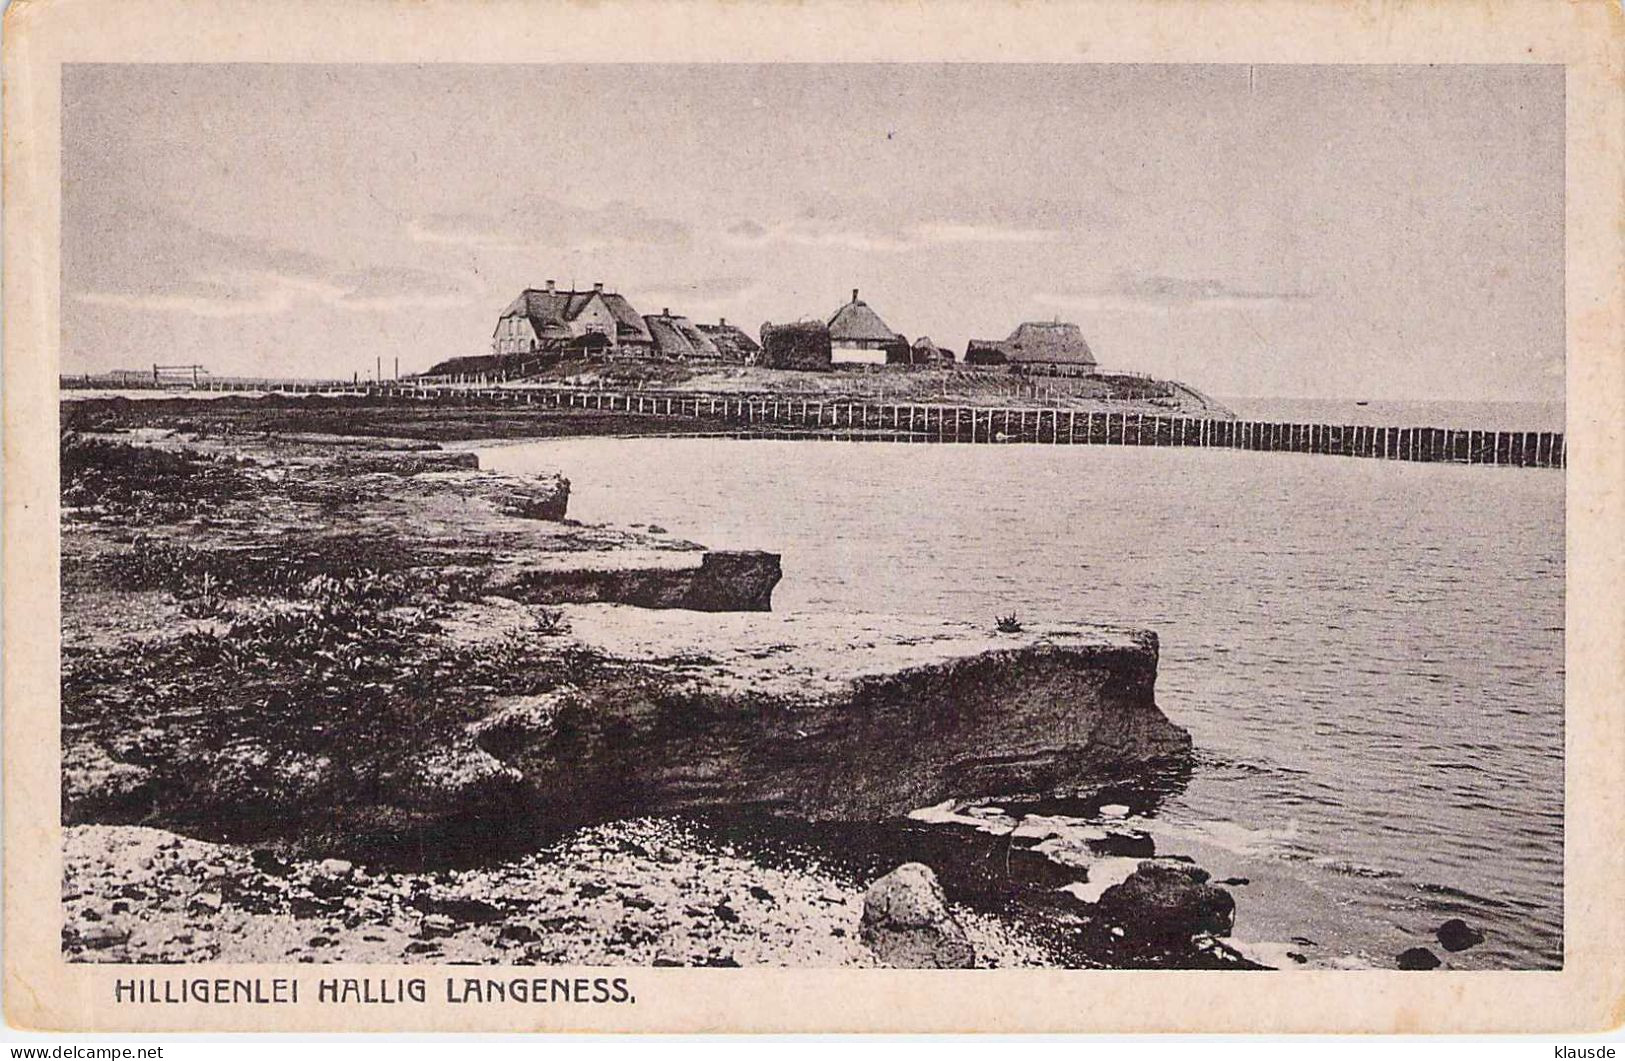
{"points": [[551, 311], [733, 342], [984, 352], [1047, 342], [680, 339], [856, 322], [800, 345]]}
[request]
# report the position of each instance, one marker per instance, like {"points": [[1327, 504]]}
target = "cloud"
{"points": [[813, 232], [1162, 293], [535, 223], [172, 266], [960, 233]]}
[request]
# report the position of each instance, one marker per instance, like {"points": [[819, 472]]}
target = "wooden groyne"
{"points": [[783, 417], [970, 424]]}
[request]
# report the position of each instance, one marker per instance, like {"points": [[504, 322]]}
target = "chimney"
{"points": [[854, 294], [722, 322], [599, 287], [550, 287]]}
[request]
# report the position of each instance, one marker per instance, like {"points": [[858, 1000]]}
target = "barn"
{"points": [[1054, 348]]}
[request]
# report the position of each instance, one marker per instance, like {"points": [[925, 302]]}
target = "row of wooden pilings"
{"points": [[970, 424]]}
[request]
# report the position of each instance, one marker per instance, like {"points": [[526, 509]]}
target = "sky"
{"points": [[1383, 232]]}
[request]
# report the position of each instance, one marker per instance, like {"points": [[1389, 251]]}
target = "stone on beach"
{"points": [[1457, 935], [545, 496], [906, 922], [1164, 903], [1417, 959]]}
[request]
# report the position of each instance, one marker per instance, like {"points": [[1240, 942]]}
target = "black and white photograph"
{"points": [[525, 533], [903, 515]]}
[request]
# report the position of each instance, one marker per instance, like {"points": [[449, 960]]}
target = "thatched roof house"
{"points": [[926, 352], [549, 318], [984, 352], [732, 341], [857, 335], [1052, 347], [803, 345], [677, 338]]}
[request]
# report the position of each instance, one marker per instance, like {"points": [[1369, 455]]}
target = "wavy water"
{"points": [[1368, 654]]}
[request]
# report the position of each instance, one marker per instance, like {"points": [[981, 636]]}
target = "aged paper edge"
{"points": [[1588, 994]]}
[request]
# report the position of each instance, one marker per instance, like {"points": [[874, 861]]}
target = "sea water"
{"points": [[1368, 654]]}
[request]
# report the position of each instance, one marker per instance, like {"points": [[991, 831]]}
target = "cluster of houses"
{"points": [[548, 322]]}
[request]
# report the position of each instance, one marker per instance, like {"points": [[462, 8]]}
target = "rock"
{"points": [[1164, 904], [723, 581], [906, 922], [204, 903], [395, 462], [1114, 810], [102, 936], [434, 926], [516, 721], [465, 910], [517, 933], [841, 718], [545, 497], [1457, 935], [335, 867], [1417, 959]]}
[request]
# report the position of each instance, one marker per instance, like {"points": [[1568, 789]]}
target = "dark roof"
{"points": [[734, 343], [1047, 342], [679, 338], [855, 321], [550, 312], [628, 324]]}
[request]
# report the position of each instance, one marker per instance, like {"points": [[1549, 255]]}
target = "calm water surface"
{"points": [[1368, 654]]}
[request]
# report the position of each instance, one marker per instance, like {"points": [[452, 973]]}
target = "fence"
{"points": [[808, 417]]}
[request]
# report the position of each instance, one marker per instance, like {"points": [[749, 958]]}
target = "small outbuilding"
{"points": [[926, 352], [803, 345]]}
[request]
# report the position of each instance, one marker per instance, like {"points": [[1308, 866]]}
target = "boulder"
{"points": [[544, 497], [906, 922], [1417, 959], [1163, 904], [1457, 935]]}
